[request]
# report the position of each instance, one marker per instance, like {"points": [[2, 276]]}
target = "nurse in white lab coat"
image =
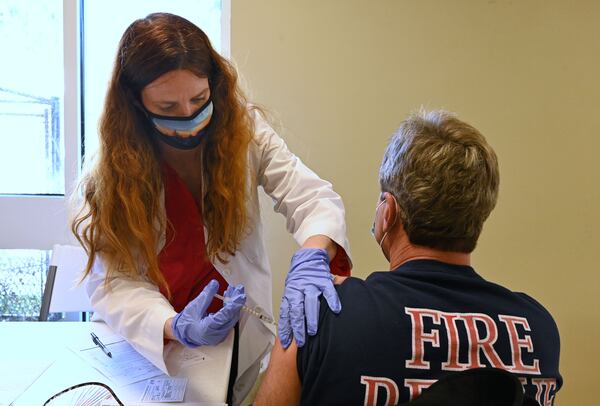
{"points": [[171, 203]]}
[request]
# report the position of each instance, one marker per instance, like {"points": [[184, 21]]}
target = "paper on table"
{"points": [[126, 365], [69, 369], [164, 390], [23, 372]]}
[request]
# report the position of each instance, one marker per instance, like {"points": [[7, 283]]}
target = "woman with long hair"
{"points": [[170, 214]]}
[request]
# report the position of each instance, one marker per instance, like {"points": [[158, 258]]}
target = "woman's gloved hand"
{"points": [[194, 328], [308, 278]]}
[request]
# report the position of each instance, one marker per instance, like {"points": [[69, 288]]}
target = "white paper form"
{"points": [[126, 365], [164, 390], [22, 374]]}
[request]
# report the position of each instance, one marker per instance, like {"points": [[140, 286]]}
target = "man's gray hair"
{"points": [[444, 176]]}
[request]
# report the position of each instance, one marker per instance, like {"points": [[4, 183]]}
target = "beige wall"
{"points": [[341, 75]]}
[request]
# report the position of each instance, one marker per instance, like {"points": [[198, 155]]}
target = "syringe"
{"points": [[253, 312]]}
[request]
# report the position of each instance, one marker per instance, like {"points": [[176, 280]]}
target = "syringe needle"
{"points": [[253, 312]]}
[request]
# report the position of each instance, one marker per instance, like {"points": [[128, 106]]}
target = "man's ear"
{"points": [[390, 212]]}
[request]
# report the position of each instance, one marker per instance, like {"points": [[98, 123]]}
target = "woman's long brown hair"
{"points": [[122, 217]]}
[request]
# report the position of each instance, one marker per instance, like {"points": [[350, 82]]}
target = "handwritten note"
{"points": [[191, 356], [164, 390]]}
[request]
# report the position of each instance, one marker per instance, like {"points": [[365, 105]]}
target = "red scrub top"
{"points": [[340, 265], [183, 261]]}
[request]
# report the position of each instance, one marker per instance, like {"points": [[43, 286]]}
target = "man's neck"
{"points": [[402, 251]]}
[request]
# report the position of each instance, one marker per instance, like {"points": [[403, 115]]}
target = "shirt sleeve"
{"points": [[134, 309], [309, 357], [309, 203], [312, 360]]}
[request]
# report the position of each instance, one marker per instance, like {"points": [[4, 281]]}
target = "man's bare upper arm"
{"points": [[281, 383]]}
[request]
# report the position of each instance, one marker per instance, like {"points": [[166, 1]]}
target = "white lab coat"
{"points": [[138, 311]]}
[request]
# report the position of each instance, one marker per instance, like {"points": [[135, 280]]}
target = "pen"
{"points": [[99, 343]]}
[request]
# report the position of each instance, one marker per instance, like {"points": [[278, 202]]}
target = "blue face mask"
{"points": [[183, 132]]}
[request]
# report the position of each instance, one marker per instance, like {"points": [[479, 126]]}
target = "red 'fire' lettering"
{"points": [[419, 336], [416, 386], [373, 383], [516, 343], [453, 345], [477, 343], [545, 390]]}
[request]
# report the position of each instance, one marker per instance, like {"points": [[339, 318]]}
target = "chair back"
{"points": [[63, 292]]}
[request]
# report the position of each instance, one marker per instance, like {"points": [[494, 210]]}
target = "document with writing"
{"points": [[126, 365], [164, 390], [191, 356]]}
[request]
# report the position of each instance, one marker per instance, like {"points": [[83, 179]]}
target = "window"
{"points": [[31, 142], [56, 62], [22, 282]]}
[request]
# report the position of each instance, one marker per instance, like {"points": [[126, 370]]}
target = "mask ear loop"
{"points": [[137, 103]]}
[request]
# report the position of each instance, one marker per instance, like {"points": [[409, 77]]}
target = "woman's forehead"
{"points": [[176, 83]]}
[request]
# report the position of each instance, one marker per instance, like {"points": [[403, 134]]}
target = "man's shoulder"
{"points": [[543, 314], [351, 289], [358, 286], [358, 298]]}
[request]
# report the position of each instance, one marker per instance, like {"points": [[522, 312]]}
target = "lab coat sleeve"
{"points": [[134, 309], [308, 202]]}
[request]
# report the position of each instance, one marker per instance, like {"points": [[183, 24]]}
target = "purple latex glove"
{"points": [[308, 278], [193, 328]]}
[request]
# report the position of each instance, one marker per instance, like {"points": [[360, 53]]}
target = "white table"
{"points": [[28, 349]]}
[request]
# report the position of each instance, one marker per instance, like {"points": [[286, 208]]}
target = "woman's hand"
{"points": [[193, 328], [308, 278]]}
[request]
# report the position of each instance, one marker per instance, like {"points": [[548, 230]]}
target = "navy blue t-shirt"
{"points": [[400, 331]]}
